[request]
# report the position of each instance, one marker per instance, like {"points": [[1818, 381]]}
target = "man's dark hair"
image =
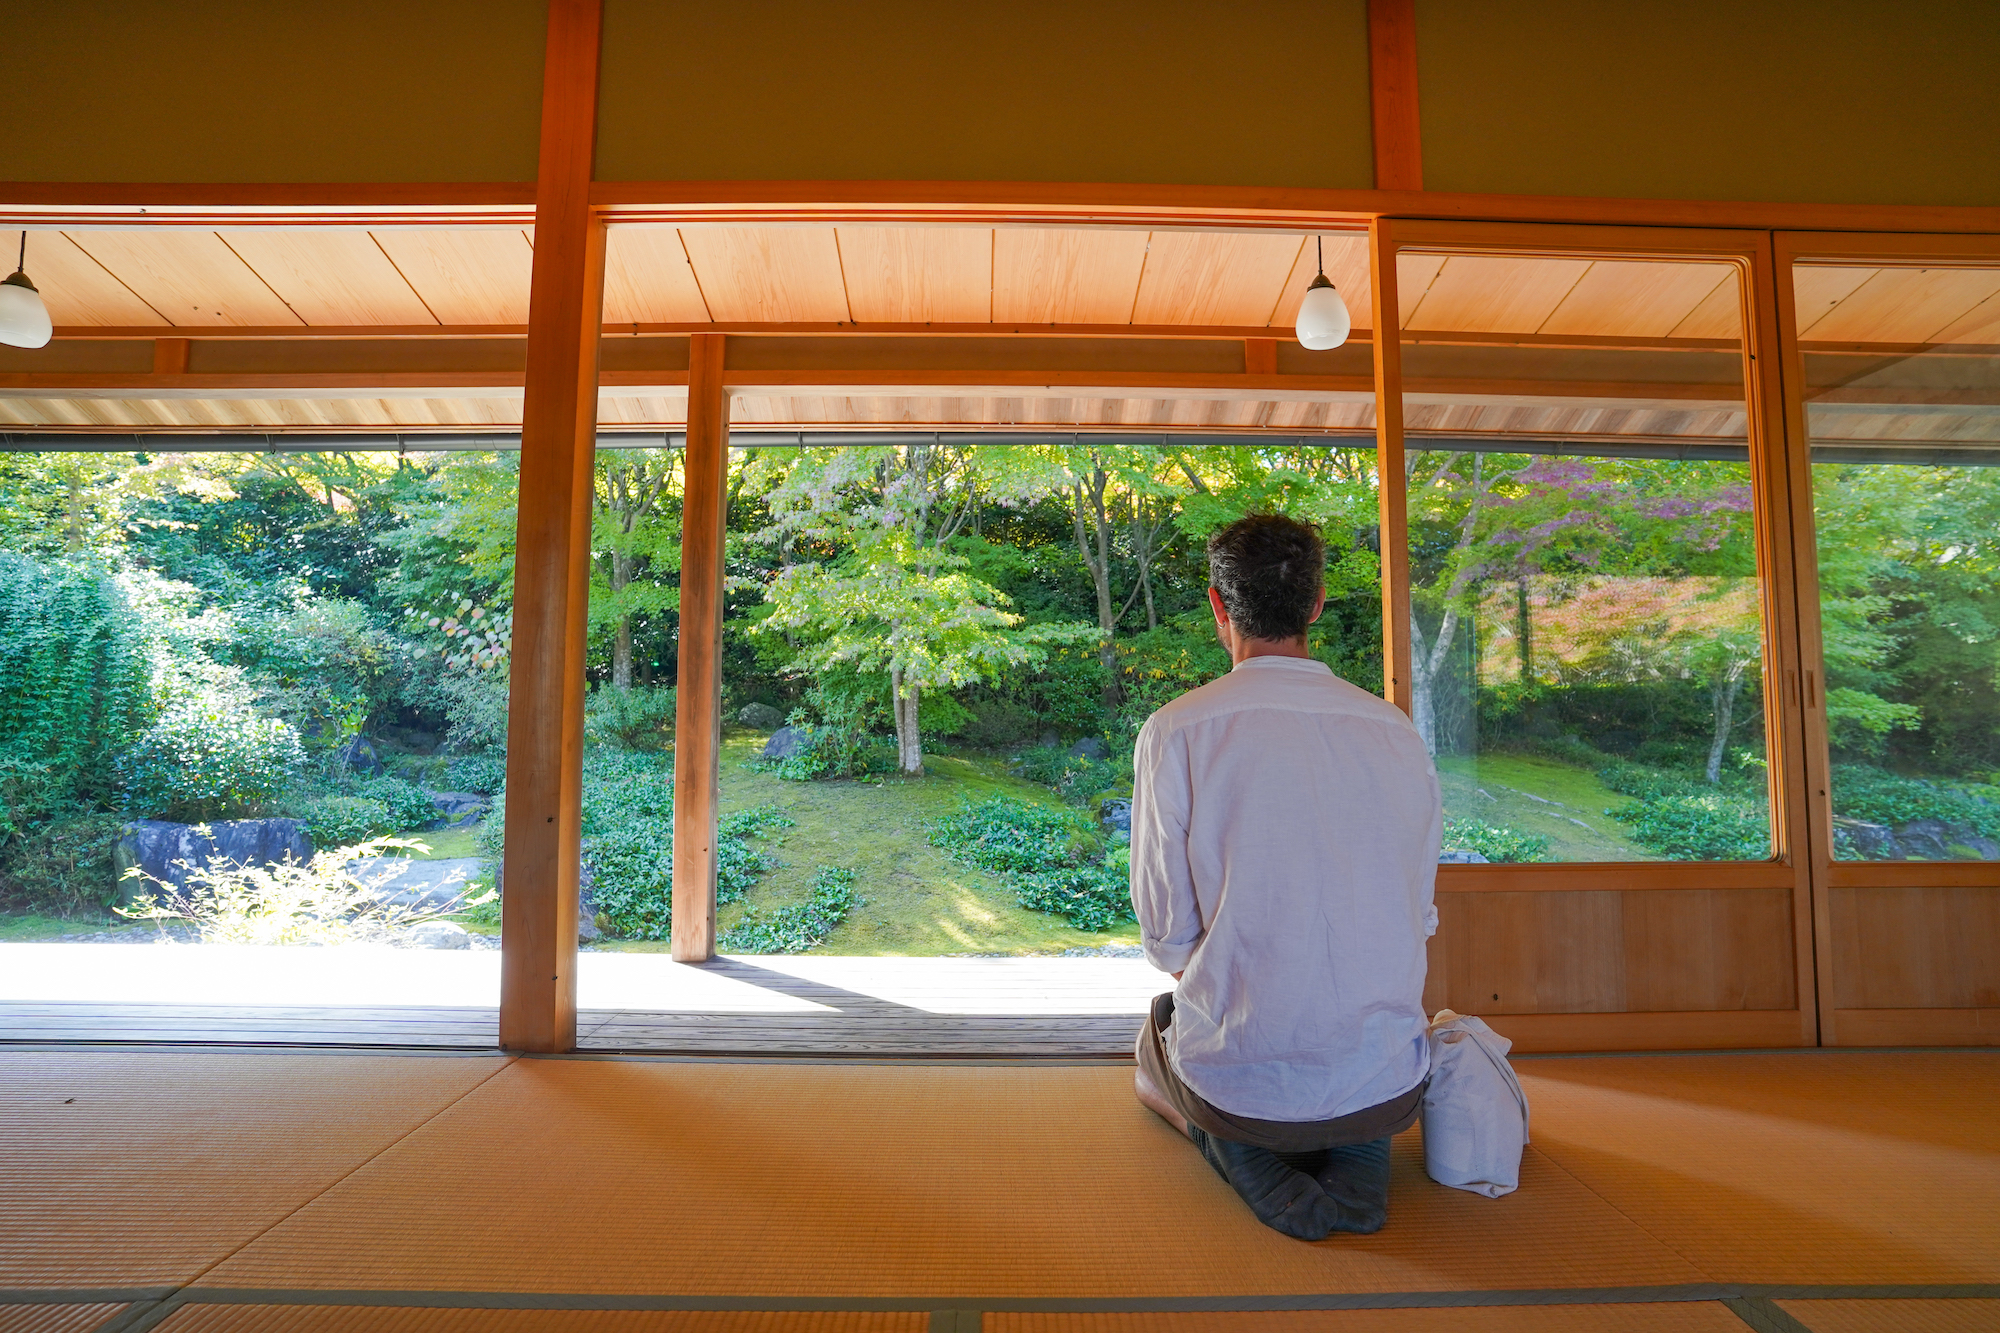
{"points": [[1269, 570]]}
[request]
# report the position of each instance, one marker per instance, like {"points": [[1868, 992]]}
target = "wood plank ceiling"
{"points": [[298, 282]]}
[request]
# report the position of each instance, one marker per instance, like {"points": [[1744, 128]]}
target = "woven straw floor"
{"points": [[141, 1189]]}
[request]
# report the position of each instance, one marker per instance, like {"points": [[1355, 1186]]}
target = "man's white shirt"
{"points": [[1285, 830]]}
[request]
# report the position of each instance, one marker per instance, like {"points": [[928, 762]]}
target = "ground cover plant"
{"points": [[801, 926], [1055, 860]]}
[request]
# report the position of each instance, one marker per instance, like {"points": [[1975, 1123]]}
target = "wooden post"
{"points": [[1392, 94], [1391, 496], [698, 703], [552, 552]]}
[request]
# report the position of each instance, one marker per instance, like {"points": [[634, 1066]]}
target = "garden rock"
{"points": [[1090, 747], [760, 717], [787, 743], [1460, 856], [1925, 839], [459, 809], [158, 848], [358, 754], [1049, 738], [424, 885], [1875, 842], [1116, 815], [438, 935]]}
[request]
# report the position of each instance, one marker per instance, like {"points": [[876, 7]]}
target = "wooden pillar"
{"points": [[698, 702], [552, 553], [1392, 496], [1392, 94]]}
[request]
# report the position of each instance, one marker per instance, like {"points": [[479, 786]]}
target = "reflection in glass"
{"points": [[1902, 382], [1586, 621]]}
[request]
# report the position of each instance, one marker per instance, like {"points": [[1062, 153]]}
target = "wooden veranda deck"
{"points": [[973, 1008]]}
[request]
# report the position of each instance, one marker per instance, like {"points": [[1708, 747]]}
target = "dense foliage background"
{"points": [[205, 636]]}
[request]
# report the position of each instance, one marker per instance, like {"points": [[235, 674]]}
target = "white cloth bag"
{"points": [[1475, 1115]]}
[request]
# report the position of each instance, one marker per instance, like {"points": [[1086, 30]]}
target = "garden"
{"points": [[936, 660]]}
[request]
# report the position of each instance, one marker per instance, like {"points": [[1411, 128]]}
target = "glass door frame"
{"points": [[1774, 479], [1858, 1026]]}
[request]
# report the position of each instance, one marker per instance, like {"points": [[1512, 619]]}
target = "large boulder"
{"points": [[438, 935], [1925, 840], [1460, 856], [787, 743], [459, 809], [431, 886], [166, 852], [760, 717], [1874, 842], [1116, 816], [1090, 747], [358, 754]]}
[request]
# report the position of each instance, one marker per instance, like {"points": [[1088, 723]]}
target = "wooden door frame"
{"points": [[1863, 1026], [1773, 506]]}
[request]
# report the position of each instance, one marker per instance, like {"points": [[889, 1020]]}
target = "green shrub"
{"points": [[64, 868], [482, 773], [999, 722], [74, 675], [800, 927], [641, 718], [1496, 842], [832, 752], [209, 757], [1077, 780], [407, 803], [1051, 857], [334, 820]]}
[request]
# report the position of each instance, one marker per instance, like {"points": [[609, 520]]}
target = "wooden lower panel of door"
{"points": [[1915, 966], [1610, 969]]}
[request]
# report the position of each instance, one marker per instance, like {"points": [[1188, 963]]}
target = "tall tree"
{"points": [[636, 533], [886, 591]]}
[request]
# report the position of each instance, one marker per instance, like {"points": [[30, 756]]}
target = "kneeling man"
{"points": [[1285, 829]]}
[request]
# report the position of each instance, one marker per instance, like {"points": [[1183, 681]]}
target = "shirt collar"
{"points": [[1311, 664]]}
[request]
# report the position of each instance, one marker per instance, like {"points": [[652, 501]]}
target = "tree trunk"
{"points": [[1090, 500], [1523, 628], [1425, 664], [909, 741], [1723, 691], [621, 639]]}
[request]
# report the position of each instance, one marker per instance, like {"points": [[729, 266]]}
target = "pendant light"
{"points": [[1323, 321], [24, 320]]}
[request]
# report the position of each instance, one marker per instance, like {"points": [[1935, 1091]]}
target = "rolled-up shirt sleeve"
{"points": [[1163, 895]]}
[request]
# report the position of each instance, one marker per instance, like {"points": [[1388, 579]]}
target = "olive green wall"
{"points": [[1805, 101], [1169, 91], [271, 90]]}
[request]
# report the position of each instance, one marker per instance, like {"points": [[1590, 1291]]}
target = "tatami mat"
{"points": [[843, 1180], [1821, 1167], [1896, 1316], [54, 1318], [958, 1187], [125, 1169], [404, 1319], [1661, 1317]]}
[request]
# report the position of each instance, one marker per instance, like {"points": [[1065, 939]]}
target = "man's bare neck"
{"points": [[1243, 649]]}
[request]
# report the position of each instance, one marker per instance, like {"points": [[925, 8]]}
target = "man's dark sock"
{"points": [[1282, 1199], [1355, 1180]]}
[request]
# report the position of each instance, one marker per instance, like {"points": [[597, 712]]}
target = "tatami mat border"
{"points": [[164, 1299]]}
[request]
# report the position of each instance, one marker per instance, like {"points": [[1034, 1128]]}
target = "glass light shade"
{"points": [[1323, 323], [24, 320]]}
